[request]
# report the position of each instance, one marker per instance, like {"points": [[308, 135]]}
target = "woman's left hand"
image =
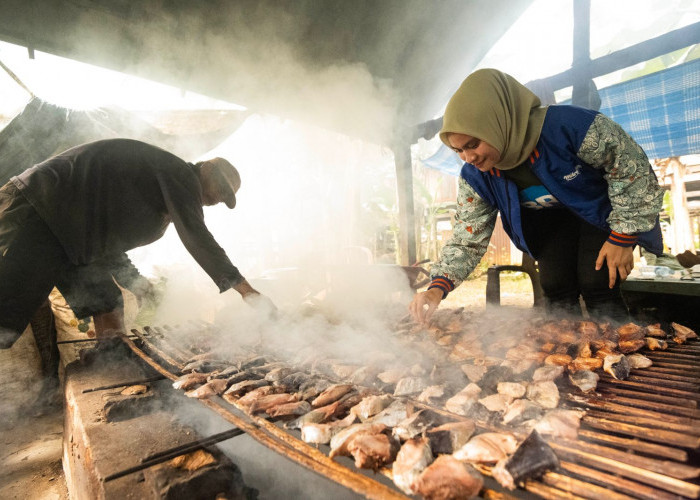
{"points": [[619, 259]]}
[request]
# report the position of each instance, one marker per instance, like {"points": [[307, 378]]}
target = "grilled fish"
{"points": [[447, 479], [413, 457]]}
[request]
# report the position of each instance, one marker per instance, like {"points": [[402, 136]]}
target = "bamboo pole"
{"points": [[619, 483], [636, 444], [629, 471], [648, 422], [633, 407], [158, 352], [655, 435], [670, 400]]}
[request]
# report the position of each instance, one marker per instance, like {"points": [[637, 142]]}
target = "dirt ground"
{"points": [[31, 458], [30, 447], [516, 291]]}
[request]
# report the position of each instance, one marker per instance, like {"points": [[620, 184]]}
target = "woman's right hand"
{"points": [[430, 298]]}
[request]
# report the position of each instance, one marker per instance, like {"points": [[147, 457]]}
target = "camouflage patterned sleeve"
{"points": [[634, 192], [474, 223]]}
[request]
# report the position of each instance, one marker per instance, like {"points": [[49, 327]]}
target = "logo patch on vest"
{"points": [[574, 174]]}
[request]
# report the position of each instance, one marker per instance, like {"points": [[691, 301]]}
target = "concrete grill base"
{"points": [[94, 448]]}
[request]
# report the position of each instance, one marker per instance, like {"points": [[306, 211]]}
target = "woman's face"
{"points": [[475, 151]]}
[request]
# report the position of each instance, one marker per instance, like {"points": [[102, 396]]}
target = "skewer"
{"points": [[169, 455], [133, 382], [194, 445]]}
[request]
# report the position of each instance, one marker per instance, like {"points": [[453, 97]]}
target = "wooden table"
{"points": [[664, 300]]}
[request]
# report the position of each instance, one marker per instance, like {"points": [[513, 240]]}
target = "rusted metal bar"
{"points": [[670, 400], [632, 487], [194, 445], [630, 471], [636, 444], [170, 454], [655, 435], [158, 352], [320, 464], [132, 382], [577, 487]]}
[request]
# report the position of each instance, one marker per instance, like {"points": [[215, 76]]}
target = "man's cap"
{"points": [[228, 178]]}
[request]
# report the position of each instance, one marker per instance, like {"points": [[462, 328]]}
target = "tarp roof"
{"points": [[278, 56]]}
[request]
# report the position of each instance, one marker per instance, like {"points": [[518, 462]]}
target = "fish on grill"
{"points": [[586, 380], [617, 366], [391, 415], [240, 388], [189, 380], [291, 409], [315, 433], [655, 330], [462, 402], [628, 346], [449, 437], [412, 459], [637, 361], [331, 394], [373, 451], [370, 406], [206, 366], [313, 387], [630, 331], [489, 447], [545, 394], [265, 403], [496, 402], [447, 478], [557, 359], [654, 344], [584, 364], [513, 389], [252, 396], [560, 423], [340, 441], [548, 373], [682, 333], [214, 388], [530, 460], [410, 385], [474, 372], [417, 424], [521, 410], [432, 395]]}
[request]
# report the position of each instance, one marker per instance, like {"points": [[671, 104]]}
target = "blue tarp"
{"points": [[660, 111]]}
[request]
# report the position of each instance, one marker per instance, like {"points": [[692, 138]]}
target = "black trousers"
{"points": [[566, 249]]}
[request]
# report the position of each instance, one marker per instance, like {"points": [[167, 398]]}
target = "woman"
{"points": [[573, 189]]}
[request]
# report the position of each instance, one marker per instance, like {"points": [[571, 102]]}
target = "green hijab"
{"points": [[496, 108]]}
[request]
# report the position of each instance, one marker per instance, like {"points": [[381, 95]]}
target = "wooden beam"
{"points": [[624, 58]]}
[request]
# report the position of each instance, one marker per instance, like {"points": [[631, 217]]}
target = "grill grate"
{"points": [[639, 437]]}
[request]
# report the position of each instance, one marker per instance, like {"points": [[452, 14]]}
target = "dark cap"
{"points": [[227, 177]]}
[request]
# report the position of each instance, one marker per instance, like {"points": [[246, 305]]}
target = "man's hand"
{"points": [[256, 300], [430, 298], [619, 259]]}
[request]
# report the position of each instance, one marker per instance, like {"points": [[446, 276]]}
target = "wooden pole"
{"points": [[407, 219]]}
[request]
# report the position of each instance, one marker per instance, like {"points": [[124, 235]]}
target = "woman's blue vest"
{"points": [[578, 186]]}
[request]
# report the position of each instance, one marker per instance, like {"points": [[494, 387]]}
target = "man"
{"points": [[68, 222]]}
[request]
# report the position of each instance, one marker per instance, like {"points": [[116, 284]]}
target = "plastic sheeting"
{"points": [[43, 129]]}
